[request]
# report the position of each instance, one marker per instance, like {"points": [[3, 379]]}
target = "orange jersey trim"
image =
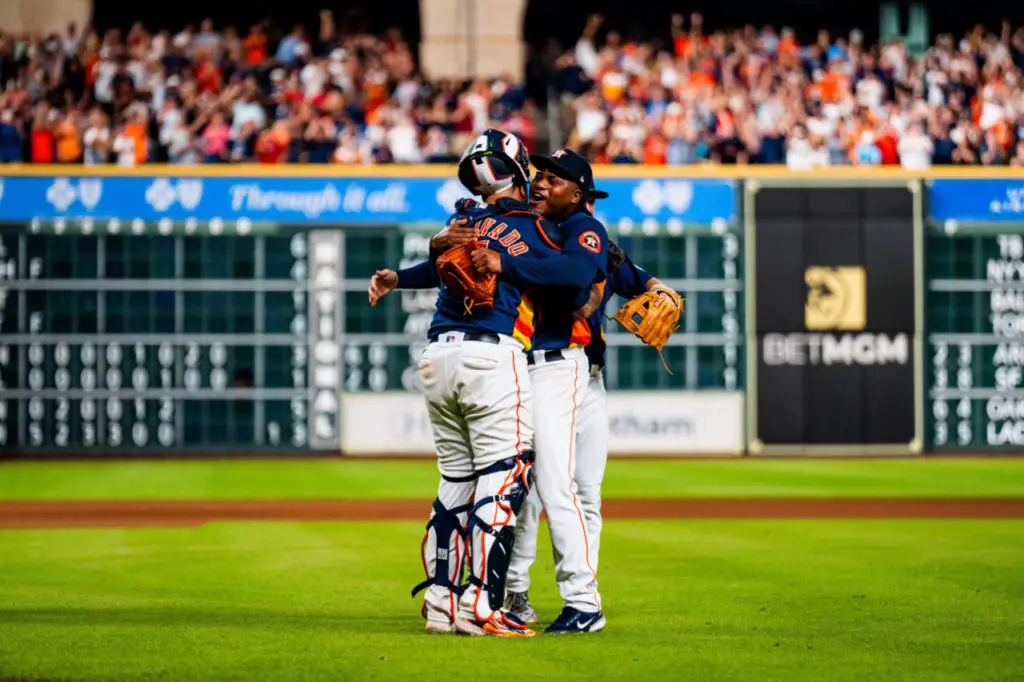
{"points": [[580, 334], [524, 325]]}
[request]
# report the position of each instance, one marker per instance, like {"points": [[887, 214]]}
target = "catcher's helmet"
{"points": [[495, 162]]}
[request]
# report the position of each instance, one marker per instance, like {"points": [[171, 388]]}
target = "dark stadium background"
{"points": [[639, 19]]}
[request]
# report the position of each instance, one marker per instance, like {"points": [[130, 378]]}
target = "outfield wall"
{"points": [[178, 310]]}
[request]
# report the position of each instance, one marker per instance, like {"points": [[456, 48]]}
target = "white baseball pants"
{"points": [[561, 390], [479, 401], [591, 460]]}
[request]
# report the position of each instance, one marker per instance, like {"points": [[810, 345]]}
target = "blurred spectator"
{"points": [[216, 136], [435, 147], [916, 148], [351, 148], [10, 138], [68, 139], [320, 137], [96, 139], [292, 46], [272, 145], [804, 152], [403, 140], [124, 146], [42, 134]]}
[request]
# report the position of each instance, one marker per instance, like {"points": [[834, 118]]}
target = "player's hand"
{"points": [[458, 232], [486, 261], [664, 295], [382, 283]]}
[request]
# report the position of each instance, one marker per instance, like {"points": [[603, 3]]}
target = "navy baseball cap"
{"points": [[568, 165]]}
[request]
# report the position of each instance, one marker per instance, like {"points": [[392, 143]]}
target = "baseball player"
{"points": [[626, 279], [478, 391], [559, 372]]}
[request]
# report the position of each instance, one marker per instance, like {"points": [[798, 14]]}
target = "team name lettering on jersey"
{"points": [[492, 229]]}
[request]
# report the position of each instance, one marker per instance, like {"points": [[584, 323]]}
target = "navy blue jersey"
{"points": [[583, 261], [519, 234], [626, 279]]}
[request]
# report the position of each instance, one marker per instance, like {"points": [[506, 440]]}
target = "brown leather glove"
{"points": [[455, 266]]}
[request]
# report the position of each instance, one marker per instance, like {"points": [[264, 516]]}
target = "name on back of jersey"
{"points": [[497, 231]]}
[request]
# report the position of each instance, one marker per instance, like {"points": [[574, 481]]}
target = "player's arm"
{"points": [[582, 261], [423, 275], [624, 278], [630, 279]]}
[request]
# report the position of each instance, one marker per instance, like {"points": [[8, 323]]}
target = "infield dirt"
{"points": [[98, 514]]}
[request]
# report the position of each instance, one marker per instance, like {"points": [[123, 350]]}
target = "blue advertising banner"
{"points": [[348, 200], [977, 201]]}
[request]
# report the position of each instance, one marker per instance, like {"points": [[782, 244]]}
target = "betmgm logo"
{"points": [[836, 298], [835, 315]]}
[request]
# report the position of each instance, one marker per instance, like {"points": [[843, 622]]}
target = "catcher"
{"points": [[651, 313]]}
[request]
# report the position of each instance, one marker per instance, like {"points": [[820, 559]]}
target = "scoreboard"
{"points": [[194, 332], [974, 315], [975, 320], [139, 339]]}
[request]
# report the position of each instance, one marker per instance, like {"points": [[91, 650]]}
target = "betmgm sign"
{"points": [[835, 319], [832, 314]]}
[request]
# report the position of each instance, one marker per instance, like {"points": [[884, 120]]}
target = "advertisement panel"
{"points": [[317, 200], [641, 424], [834, 321], [976, 201]]}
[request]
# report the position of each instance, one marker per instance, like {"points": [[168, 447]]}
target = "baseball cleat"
{"points": [[500, 624], [518, 604], [574, 621]]}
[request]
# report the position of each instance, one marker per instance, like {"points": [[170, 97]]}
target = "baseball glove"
{"points": [[652, 317], [455, 266]]}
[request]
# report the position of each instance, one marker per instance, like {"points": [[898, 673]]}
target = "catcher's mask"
{"points": [[496, 162]]}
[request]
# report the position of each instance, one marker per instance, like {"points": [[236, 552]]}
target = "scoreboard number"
{"points": [[976, 291], [730, 320]]}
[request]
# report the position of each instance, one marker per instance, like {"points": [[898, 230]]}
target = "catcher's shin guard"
{"points": [[501, 492], [445, 543]]}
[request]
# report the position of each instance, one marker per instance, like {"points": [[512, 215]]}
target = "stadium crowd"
{"points": [[760, 96], [208, 95], [212, 95]]}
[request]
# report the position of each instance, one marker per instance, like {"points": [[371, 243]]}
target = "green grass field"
{"points": [[694, 600], [417, 479]]}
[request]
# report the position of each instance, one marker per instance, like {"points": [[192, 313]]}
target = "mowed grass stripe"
{"points": [[625, 479]]}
